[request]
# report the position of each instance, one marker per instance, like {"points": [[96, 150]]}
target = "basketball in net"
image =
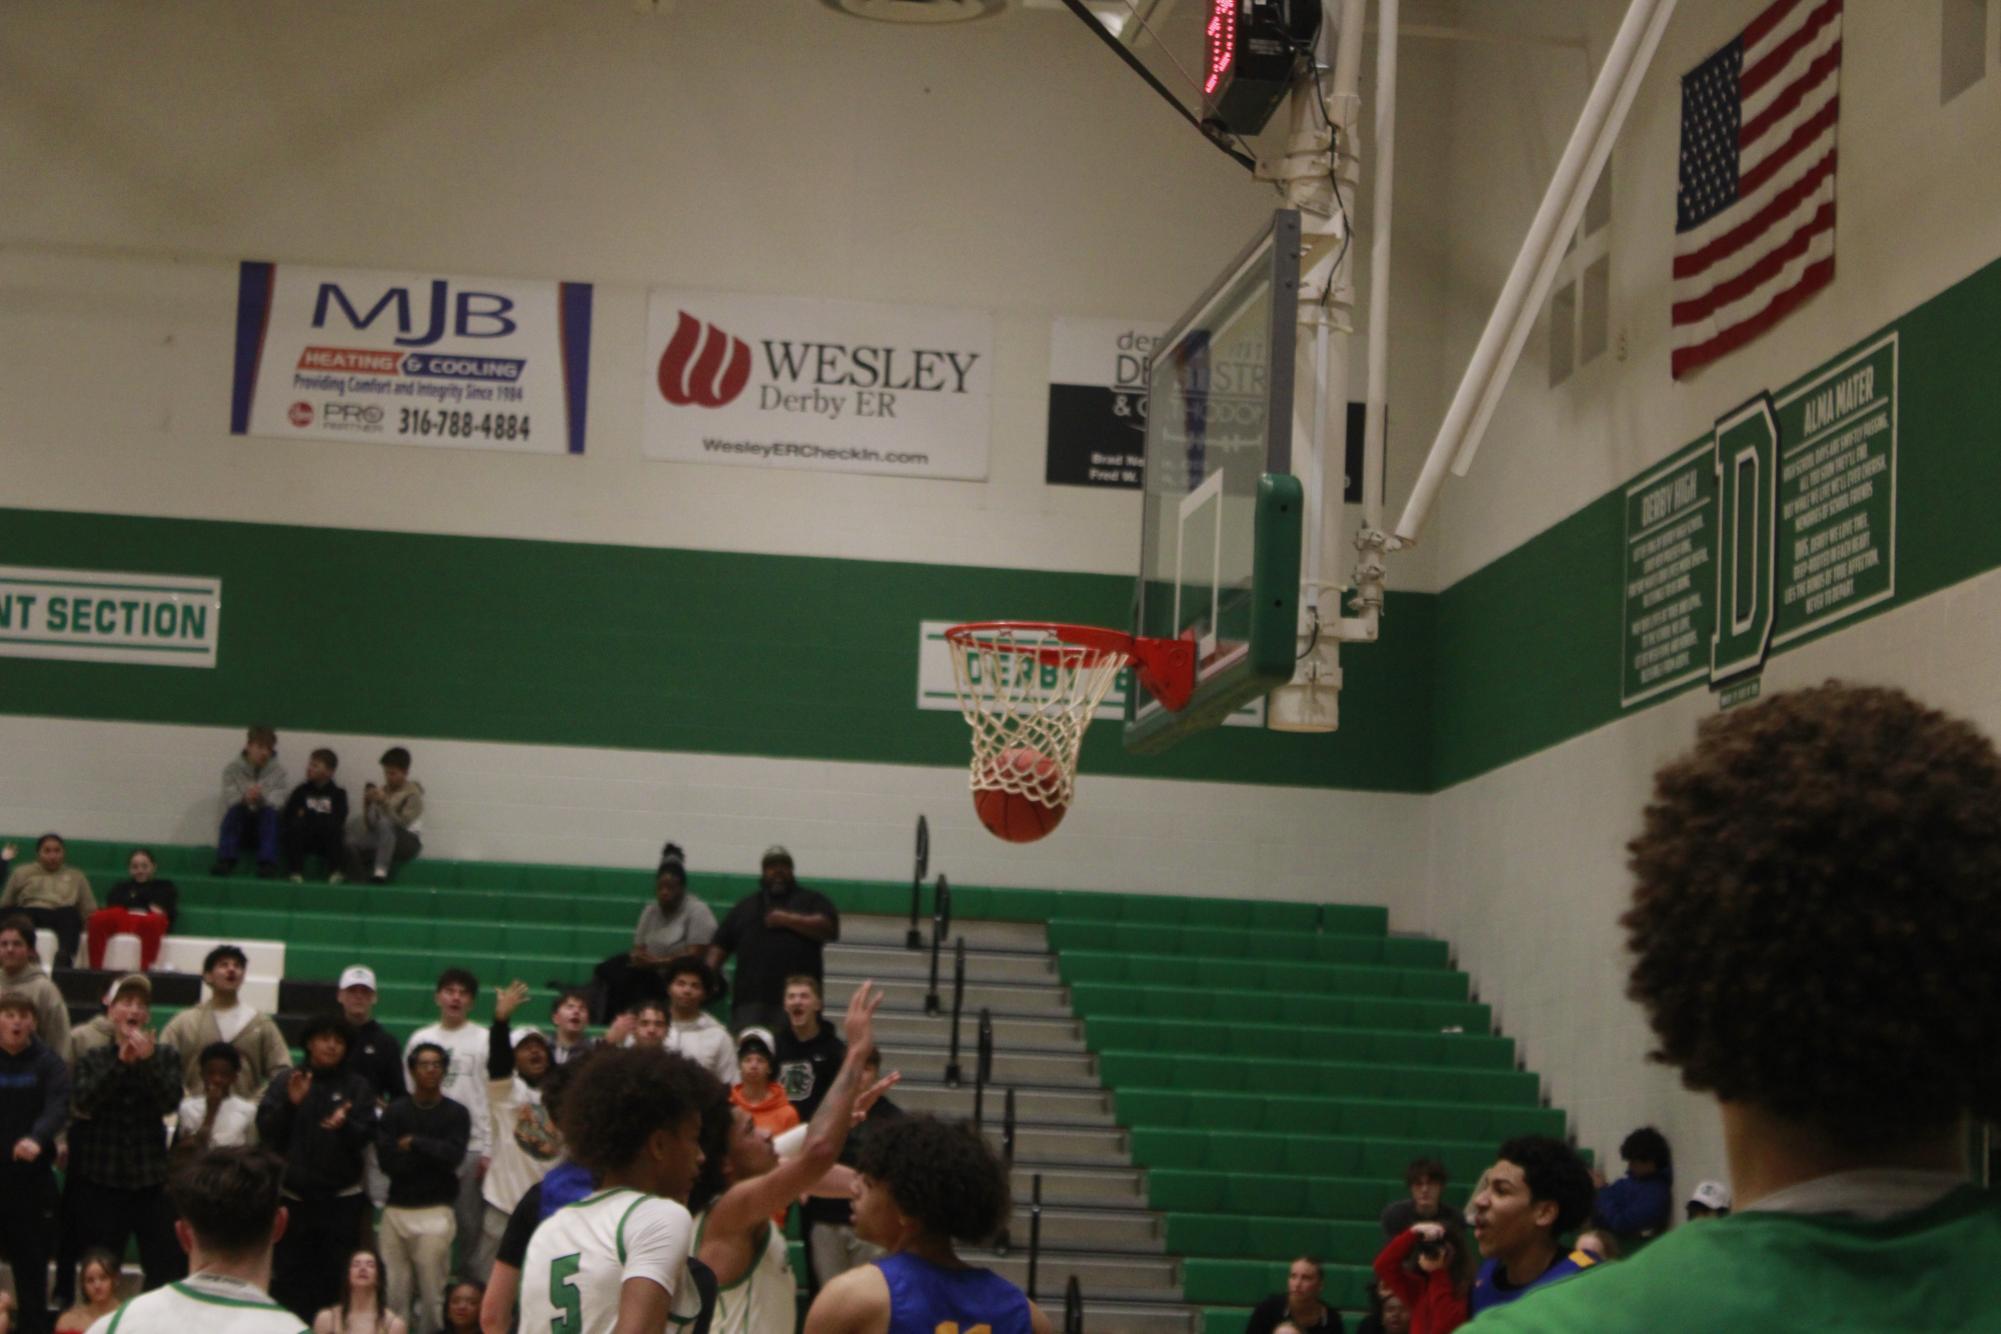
{"points": [[1028, 690]]}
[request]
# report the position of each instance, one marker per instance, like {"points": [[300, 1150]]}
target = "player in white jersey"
{"points": [[735, 1234], [227, 1200], [617, 1261]]}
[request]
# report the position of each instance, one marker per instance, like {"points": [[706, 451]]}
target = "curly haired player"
{"points": [[616, 1262], [921, 1185], [1816, 932]]}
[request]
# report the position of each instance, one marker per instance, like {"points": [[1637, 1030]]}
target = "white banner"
{"points": [[836, 386], [163, 620], [1097, 401], [936, 688], [414, 359]]}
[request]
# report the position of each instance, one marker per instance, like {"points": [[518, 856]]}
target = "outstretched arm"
{"points": [[749, 1201]]}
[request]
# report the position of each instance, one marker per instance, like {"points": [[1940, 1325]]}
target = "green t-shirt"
{"points": [[1935, 1271]]}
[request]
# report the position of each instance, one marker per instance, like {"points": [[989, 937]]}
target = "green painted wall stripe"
{"points": [[489, 639]]}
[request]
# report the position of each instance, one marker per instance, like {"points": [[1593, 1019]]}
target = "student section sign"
{"points": [[94, 616], [832, 386], [413, 359]]}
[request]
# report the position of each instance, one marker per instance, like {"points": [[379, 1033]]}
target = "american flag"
{"points": [[1754, 219]]}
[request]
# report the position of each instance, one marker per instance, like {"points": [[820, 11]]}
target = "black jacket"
{"points": [[426, 1173], [317, 807], [319, 1163], [135, 897], [34, 1101], [378, 1058]]}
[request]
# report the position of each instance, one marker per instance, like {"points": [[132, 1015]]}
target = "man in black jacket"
{"points": [[320, 1119], [117, 1184], [420, 1144], [34, 1105]]}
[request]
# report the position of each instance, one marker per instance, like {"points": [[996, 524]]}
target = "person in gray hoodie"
{"points": [[21, 974], [253, 792]]}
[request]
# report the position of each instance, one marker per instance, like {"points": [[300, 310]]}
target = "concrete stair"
{"points": [[1095, 1223]]}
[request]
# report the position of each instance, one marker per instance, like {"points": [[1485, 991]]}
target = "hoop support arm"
{"points": [[1166, 667]]}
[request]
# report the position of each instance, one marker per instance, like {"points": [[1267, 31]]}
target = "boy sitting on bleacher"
{"points": [[253, 792]]}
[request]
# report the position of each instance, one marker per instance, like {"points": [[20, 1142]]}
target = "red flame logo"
{"points": [[703, 365]]}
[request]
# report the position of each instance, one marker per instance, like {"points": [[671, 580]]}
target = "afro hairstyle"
{"points": [[1647, 1145], [1554, 1173], [1817, 911], [942, 1173], [612, 1106]]}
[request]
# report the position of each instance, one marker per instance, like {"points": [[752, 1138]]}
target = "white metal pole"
{"points": [[1625, 65]]}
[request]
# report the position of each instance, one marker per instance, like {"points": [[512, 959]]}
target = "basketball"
{"points": [[1012, 816]]}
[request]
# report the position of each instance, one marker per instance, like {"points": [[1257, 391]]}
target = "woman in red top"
{"points": [[1436, 1294]]}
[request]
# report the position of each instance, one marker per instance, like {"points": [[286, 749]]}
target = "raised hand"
{"points": [[858, 1029], [507, 999], [871, 1095], [297, 1085]]}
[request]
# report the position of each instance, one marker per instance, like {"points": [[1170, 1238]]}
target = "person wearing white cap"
{"points": [[377, 1057], [1710, 1199], [525, 1143]]}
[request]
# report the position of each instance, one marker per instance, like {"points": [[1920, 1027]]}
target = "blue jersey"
{"points": [[1491, 1288], [925, 1299]]}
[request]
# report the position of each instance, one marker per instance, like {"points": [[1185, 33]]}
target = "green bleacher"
{"points": [[1277, 1079]]}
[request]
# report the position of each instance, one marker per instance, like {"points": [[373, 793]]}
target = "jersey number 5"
{"points": [[563, 1295]]}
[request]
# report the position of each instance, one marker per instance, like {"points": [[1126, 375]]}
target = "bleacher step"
{"points": [[1038, 1107], [1044, 1069], [883, 962], [858, 929], [1131, 1277], [903, 1028], [1076, 1185], [1126, 1231], [1062, 1146], [1028, 1002]]}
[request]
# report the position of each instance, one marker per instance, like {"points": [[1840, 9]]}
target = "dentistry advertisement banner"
{"points": [[413, 359]]}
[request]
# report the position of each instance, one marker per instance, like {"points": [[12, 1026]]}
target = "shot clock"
{"points": [[1251, 49]]}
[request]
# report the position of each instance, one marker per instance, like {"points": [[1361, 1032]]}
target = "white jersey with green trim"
{"points": [[212, 1303], [582, 1255], [765, 1299]]}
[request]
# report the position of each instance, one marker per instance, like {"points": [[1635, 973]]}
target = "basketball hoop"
{"points": [[1028, 689]]}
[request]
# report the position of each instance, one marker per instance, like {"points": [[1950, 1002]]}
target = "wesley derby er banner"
{"points": [[411, 358], [838, 386]]}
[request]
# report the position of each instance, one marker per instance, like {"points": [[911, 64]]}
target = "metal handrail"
{"points": [[941, 922], [1034, 1230], [1073, 1307], [914, 939], [1006, 1238], [952, 1071], [983, 1068]]}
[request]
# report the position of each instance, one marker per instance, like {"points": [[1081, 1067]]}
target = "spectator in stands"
{"points": [[644, 1025], [226, 1017], [1425, 1178], [1709, 1199], [1638, 1205], [462, 1306], [696, 1035], [1299, 1304], [50, 894], [780, 931], [21, 975], [254, 785], [755, 1090], [141, 905], [671, 927], [808, 1051], [217, 1117], [377, 1057], [228, 1202], [116, 1186], [1815, 918], [319, 1117], [421, 1143], [1387, 1313], [524, 1140], [34, 1107], [314, 821], [393, 815], [1536, 1191], [1436, 1293], [832, 1245], [465, 1084], [563, 1184], [360, 1307], [570, 1016], [102, 1030], [97, 1284], [1598, 1244]]}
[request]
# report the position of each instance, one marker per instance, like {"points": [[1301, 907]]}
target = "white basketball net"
{"points": [[1025, 694]]}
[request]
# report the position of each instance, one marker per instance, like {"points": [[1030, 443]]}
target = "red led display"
{"points": [[1220, 40]]}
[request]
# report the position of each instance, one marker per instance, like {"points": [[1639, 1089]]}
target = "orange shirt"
{"points": [[774, 1115]]}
